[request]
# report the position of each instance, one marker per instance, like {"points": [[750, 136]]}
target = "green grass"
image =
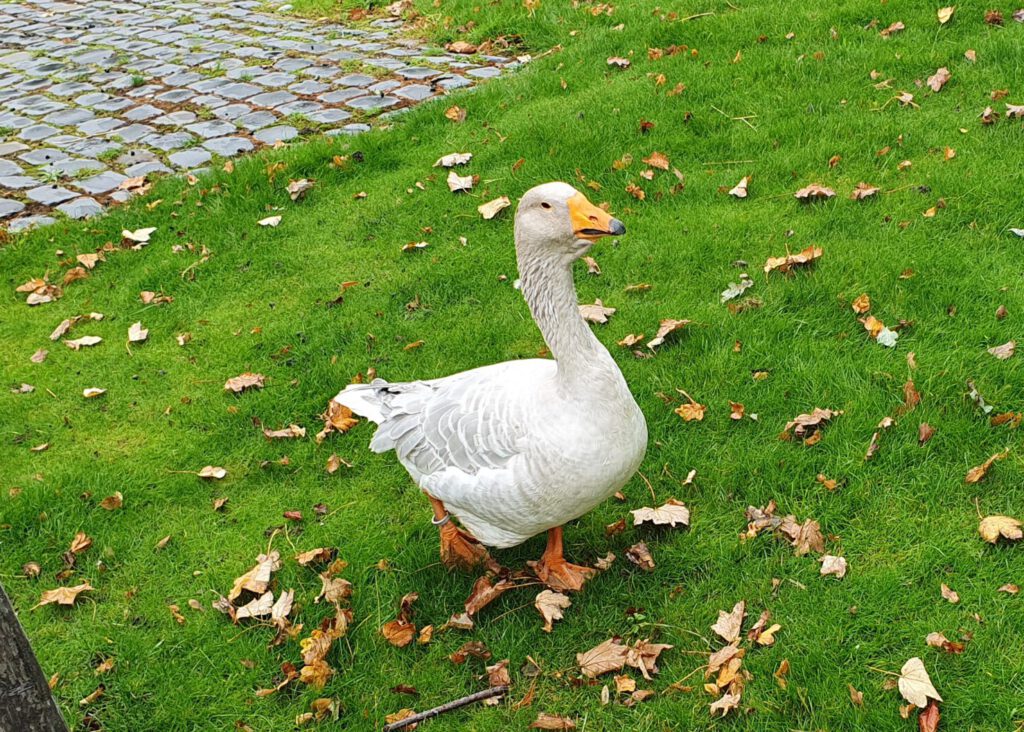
{"points": [[906, 521]]}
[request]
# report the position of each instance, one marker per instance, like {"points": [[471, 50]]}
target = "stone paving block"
{"points": [[175, 119], [256, 120], [175, 96], [73, 166], [93, 147], [309, 87], [9, 207], [484, 72], [170, 141], [228, 146], [270, 135], [133, 132], [355, 80], [104, 182], [209, 85], [341, 95], [274, 80], [99, 125], [415, 92], [292, 64], [142, 112], [30, 222], [67, 117], [9, 167], [329, 116], [114, 104], [188, 159], [300, 107], [43, 155], [51, 195], [417, 72], [81, 208], [372, 102], [130, 157], [215, 128], [18, 182], [383, 87], [449, 83], [239, 90], [154, 166], [146, 90], [232, 111], [9, 148], [35, 133], [208, 101], [272, 99]]}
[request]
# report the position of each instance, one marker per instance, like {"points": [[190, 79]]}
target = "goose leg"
{"points": [[554, 571], [458, 547]]}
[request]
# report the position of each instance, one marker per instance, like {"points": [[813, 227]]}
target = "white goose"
{"points": [[521, 447]]}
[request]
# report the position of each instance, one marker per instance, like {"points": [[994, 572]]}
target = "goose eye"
{"points": [[545, 204]]}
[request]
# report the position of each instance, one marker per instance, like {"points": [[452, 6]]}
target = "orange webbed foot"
{"points": [[459, 549]]}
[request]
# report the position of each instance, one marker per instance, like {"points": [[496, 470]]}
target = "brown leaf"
{"points": [[781, 672], [657, 160], [937, 80], [814, 192], [740, 189], [915, 685], [64, 595], [785, 264], [484, 593], [856, 697], [318, 555], [1004, 351], [297, 188], [938, 640], [730, 624], [640, 555], [928, 720], [804, 426], [240, 383], [455, 114], [978, 472], [671, 513], [911, 397], [605, 657], [596, 313], [257, 579], [212, 472], [726, 703], [552, 721], [1009, 589], [665, 327], [292, 431], [492, 208], [618, 62], [861, 304], [691, 411], [994, 528], [78, 343], [461, 47], [993, 17], [945, 14], [833, 565], [891, 30], [550, 605], [337, 418]]}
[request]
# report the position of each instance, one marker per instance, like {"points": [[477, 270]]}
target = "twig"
{"points": [[649, 486], [694, 17], [728, 162], [456, 704], [883, 671]]}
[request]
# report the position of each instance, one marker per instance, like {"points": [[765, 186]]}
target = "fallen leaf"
{"points": [[452, 159], [154, 298], [937, 80], [550, 605], [292, 431], [856, 697], [455, 114], [39, 356], [78, 343], [994, 528], [945, 14], [666, 327], [552, 721], [607, 656], [781, 672], [460, 47], [915, 685], [784, 264], [240, 383], [64, 595], [640, 555], [671, 513], [457, 183], [977, 473], [257, 579], [734, 290], [730, 624], [725, 704], [270, 221], [337, 418], [657, 160], [212, 472], [814, 192], [938, 640], [112, 502], [928, 720], [297, 188], [863, 190], [137, 334], [140, 236], [491, 209], [618, 62], [804, 426], [1004, 351], [93, 392], [740, 189], [891, 30], [833, 565], [925, 432], [993, 17], [1009, 589], [596, 313]]}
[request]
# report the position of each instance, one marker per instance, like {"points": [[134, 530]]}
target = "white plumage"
{"points": [[520, 447]]}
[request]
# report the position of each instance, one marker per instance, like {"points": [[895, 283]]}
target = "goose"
{"points": [[521, 447]]}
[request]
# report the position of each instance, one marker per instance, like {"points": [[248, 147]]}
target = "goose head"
{"points": [[554, 220]]}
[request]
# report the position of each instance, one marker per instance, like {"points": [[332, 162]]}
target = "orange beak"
{"points": [[590, 222]]}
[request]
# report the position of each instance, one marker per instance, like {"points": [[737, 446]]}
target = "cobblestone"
{"points": [[94, 92]]}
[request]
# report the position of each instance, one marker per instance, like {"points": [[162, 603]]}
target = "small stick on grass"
{"points": [[456, 704]]}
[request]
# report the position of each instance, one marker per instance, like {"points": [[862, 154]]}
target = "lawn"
{"points": [[756, 102]]}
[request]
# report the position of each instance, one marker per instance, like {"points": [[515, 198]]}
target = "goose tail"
{"points": [[364, 399]]}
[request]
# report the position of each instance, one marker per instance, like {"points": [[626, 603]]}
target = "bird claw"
{"points": [[560, 575], [460, 549]]}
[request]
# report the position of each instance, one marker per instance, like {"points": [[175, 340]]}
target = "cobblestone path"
{"points": [[95, 94]]}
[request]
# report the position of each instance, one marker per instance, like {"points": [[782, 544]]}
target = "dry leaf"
{"points": [[140, 236], [292, 431], [891, 30], [657, 160], [457, 183], [257, 578], [994, 528], [727, 703], [455, 114], [804, 426], [977, 473], [78, 343], [137, 334], [863, 190], [1004, 351], [552, 721], [596, 313], [730, 624], [856, 697], [64, 595], [925, 432], [550, 605], [640, 555], [914, 684], [240, 383], [691, 411], [112, 503], [452, 159], [937, 80], [297, 188], [787, 263], [1009, 589], [734, 289], [212, 472], [460, 47], [665, 327], [492, 208], [270, 221], [814, 192], [671, 513], [833, 565], [337, 418], [740, 189], [605, 657], [945, 14], [938, 640], [618, 62], [93, 392], [781, 672]]}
